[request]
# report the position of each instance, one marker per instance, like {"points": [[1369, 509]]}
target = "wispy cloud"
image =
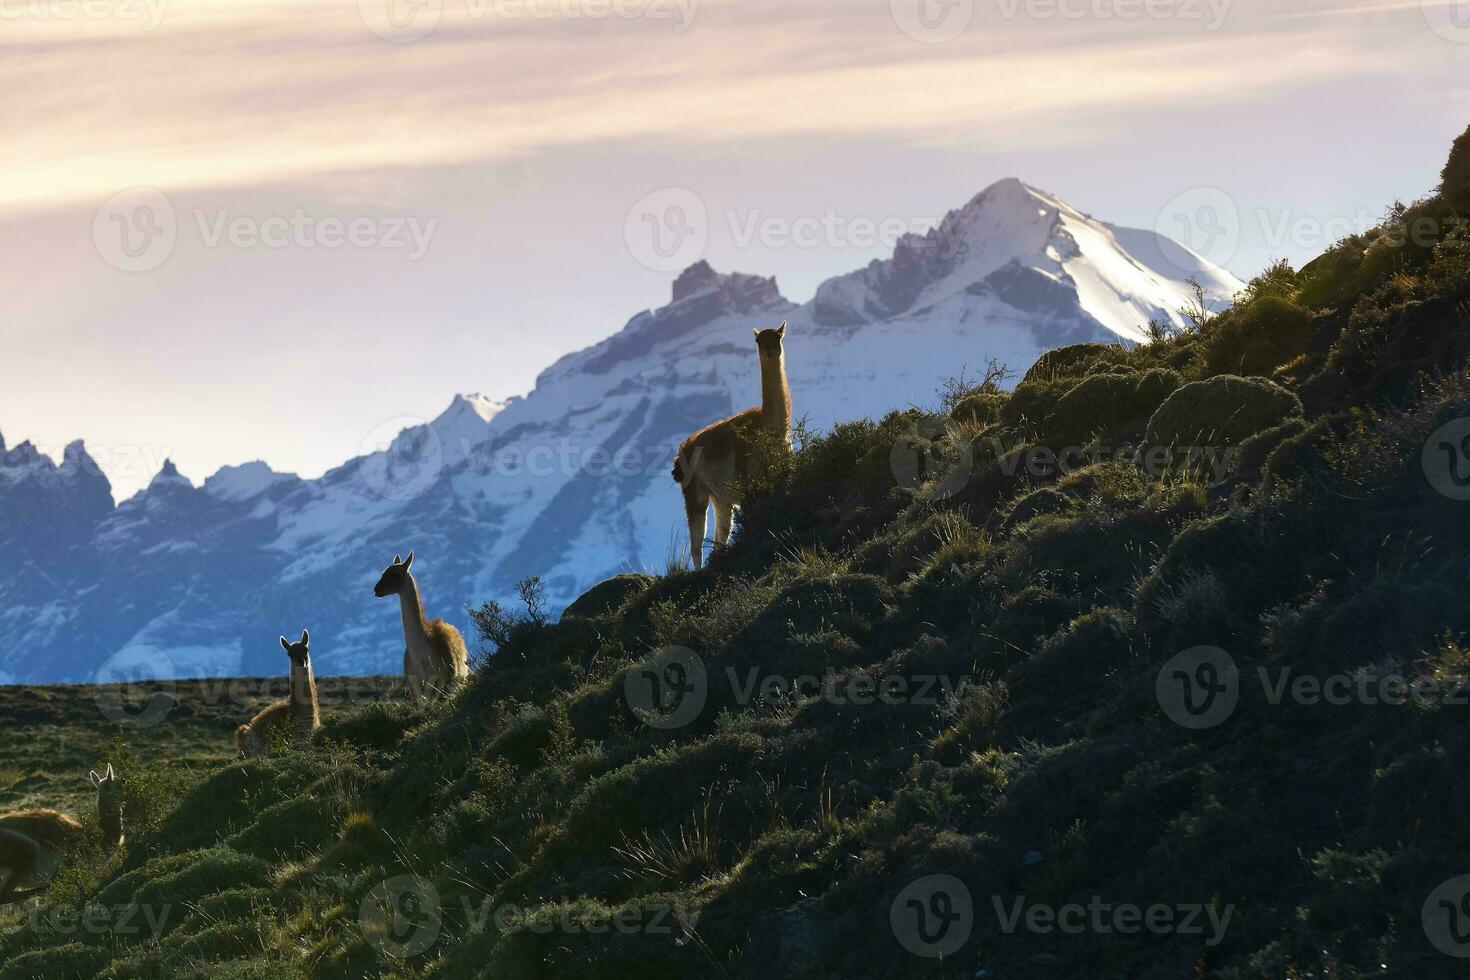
{"points": [[236, 93]]}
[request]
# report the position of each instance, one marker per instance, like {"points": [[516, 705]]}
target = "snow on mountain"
{"points": [[571, 482], [244, 482]]}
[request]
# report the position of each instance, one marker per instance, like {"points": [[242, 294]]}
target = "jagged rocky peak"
{"points": [[739, 290], [25, 455], [169, 476]]}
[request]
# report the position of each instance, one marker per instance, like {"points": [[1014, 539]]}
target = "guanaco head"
{"points": [[299, 652], [768, 341], [395, 577], [109, 794]]}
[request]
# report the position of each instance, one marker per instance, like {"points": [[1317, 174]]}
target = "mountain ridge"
{"points": [[569, 482]]}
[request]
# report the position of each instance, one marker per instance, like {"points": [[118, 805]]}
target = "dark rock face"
{"points": [[789, 944]]}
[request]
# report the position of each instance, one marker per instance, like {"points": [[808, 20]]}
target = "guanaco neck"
{"points": [[109, 818], [776, 397], [303, 692], [413, 610]]}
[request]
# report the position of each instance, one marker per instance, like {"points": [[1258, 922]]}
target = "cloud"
{"points": [[237, 93]]}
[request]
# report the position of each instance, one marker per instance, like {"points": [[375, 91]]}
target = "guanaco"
{"points": [[711, 462], [435, 659], [299, 714]]}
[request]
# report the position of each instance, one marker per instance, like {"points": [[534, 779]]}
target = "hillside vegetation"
{"points": [[1289, 510]]}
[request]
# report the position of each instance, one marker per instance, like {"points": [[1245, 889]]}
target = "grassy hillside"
{"points": [[1030, 734]]}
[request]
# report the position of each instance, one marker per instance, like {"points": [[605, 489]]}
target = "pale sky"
{"points": [[240, 229]]}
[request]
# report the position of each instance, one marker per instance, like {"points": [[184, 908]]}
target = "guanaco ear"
{"points": [[109, 771], [756, 331], [305, 638], [96, 779], [284, 645], [408, 561], [781, 330], [398, 559]]}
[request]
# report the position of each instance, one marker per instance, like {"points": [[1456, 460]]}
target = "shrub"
{"points": [[1454, 184], [1071, 361], [607, 596], [1098, 404], [981, 409], [1220, 411], [1258, 337], [1105, 402]]}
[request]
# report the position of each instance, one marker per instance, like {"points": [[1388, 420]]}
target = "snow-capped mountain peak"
{"points": [[1033, 241]]}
